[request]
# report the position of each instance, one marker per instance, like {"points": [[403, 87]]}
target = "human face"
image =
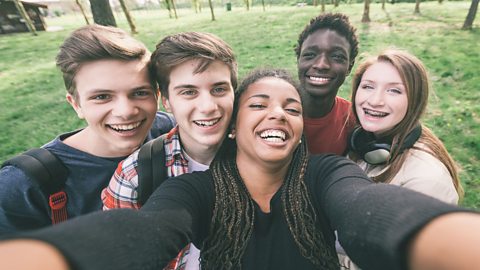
{"points": [[118, 103], [323, 63], [202, 105], [381, 100], [269, 123]]}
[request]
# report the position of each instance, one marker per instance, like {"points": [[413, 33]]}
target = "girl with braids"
{"points": [[264, 204], [390, 94]]}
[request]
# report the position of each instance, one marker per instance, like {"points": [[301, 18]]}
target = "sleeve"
{"points": [[162, 124], [374, 221], [23, 206], [121, 192], [129, 239], [424, 173]]}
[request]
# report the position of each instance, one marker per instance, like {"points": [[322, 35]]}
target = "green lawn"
{"points": [[33, 108]]}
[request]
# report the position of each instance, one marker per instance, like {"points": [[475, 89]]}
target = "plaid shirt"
{"points": [[122, 189]]}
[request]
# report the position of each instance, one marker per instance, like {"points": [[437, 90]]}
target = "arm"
{"points": [[375, 222], [176, 213], [121, 192], [23, 206]]}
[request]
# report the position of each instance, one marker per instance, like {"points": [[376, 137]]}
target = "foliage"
{"points": [[33, 108]]}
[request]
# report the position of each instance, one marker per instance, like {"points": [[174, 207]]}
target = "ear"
{"points": [[166, 104], [75, 105]]}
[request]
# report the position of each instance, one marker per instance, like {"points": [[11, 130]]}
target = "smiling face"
{"points": [[269, 122], [202, 105], [381, 100], [323, 63], [117, 101]]}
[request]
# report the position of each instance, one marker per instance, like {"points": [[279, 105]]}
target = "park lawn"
{"points": [[32, 96]]}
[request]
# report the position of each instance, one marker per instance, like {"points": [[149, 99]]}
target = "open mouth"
{"points": [[273, 135], [206, 123], [376, 114], [126, 127], [319, 79]]}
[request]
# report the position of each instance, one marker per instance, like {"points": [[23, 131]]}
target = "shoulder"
{"points": [[162, 124], [342, 103]]}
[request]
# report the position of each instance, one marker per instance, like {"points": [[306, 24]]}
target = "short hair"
{"points": [[337, 22], [97, 42], [179, 48]]}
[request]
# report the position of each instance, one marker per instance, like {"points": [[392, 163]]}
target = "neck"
{"points": [[262, 180], [316, 107]]}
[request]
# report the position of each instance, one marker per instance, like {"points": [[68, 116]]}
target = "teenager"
{"points": [[389, 95], [108, 85], [197, 74], [326, 51], [263, 204]]}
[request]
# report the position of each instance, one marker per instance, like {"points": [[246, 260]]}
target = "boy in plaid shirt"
{"points": [[197, 75]]}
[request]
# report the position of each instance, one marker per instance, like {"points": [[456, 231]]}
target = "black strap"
{"points": [[42, 166], [151, 168]]}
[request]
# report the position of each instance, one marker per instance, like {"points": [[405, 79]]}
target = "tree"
{"points": [[247, 4], [263, 5], [366, 12], [102, 12], [23, 13], [467, 25], [383, 4], [131, 21], [211, 9], [417, 7], [80, 6], [174, 8], [323, 6]]}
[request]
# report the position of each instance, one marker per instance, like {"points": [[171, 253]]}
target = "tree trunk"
{"points": [[467, 25], [211, 9], [417, 7], [263, 5], [174, 8], [80, 6], [102, 12], [167, 5], [247, 3], [383, 4], [131, 21], [366, 12], [23, 13], [315, 3], [336, 3], [323, 6]]}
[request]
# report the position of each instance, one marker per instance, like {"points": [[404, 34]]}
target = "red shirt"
{"points": [[329, 134]]}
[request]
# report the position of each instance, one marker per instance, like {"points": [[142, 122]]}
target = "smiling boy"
{"points": [[197, 75], [108, 85], [326, 51]]}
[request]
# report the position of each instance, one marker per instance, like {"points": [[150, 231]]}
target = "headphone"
{"points": [[376, 152]]}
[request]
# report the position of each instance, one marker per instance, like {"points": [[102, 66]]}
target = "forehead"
{"points": [[274, 88], [326, 39], [184, 73], [382, 71]]}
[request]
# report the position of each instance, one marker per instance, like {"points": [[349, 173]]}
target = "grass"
{"points": [[33, 108]]}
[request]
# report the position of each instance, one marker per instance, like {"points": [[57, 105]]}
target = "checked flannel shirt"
{"points": [[121, 192]]}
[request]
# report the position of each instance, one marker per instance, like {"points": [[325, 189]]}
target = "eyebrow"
{"points": [[191, 86], [264, 96]]}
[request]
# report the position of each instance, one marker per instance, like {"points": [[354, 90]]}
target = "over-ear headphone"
{"points": [[376, 152]]}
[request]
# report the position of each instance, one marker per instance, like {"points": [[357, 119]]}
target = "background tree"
{"points": [[174, 8], [131, 21], [80, 6], [323, 6], [417, 7], [467, 25], [211, 9], [102, 12], [383, 4], [263, 5], [366, 12], [247, 4], [25, 16]]}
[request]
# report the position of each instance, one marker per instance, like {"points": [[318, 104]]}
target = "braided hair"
{"points": [[234, 210]]}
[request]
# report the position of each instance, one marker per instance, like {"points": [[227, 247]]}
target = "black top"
{"points": [[374, 223]]}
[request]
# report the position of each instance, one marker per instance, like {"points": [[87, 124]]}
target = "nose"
{"points": [[124, 108], [206, 104], [322, 62], [277, 113], [376, 98]]}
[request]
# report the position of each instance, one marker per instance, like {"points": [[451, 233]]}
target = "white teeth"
{"points": [[319, 79], [125, 127], [207, 123], [272, 135], [375, 113]]}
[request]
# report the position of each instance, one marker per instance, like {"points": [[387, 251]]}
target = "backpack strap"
{"points": [[50, 173], [151, 168]]}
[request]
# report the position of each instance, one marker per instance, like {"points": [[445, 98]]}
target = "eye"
{"points": [[188, 92], [219, 90], [366, 86], [308, 55], [394, 91], [101, 97], [293, 111], [142, 93], [339, 57], [256, 106]]}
